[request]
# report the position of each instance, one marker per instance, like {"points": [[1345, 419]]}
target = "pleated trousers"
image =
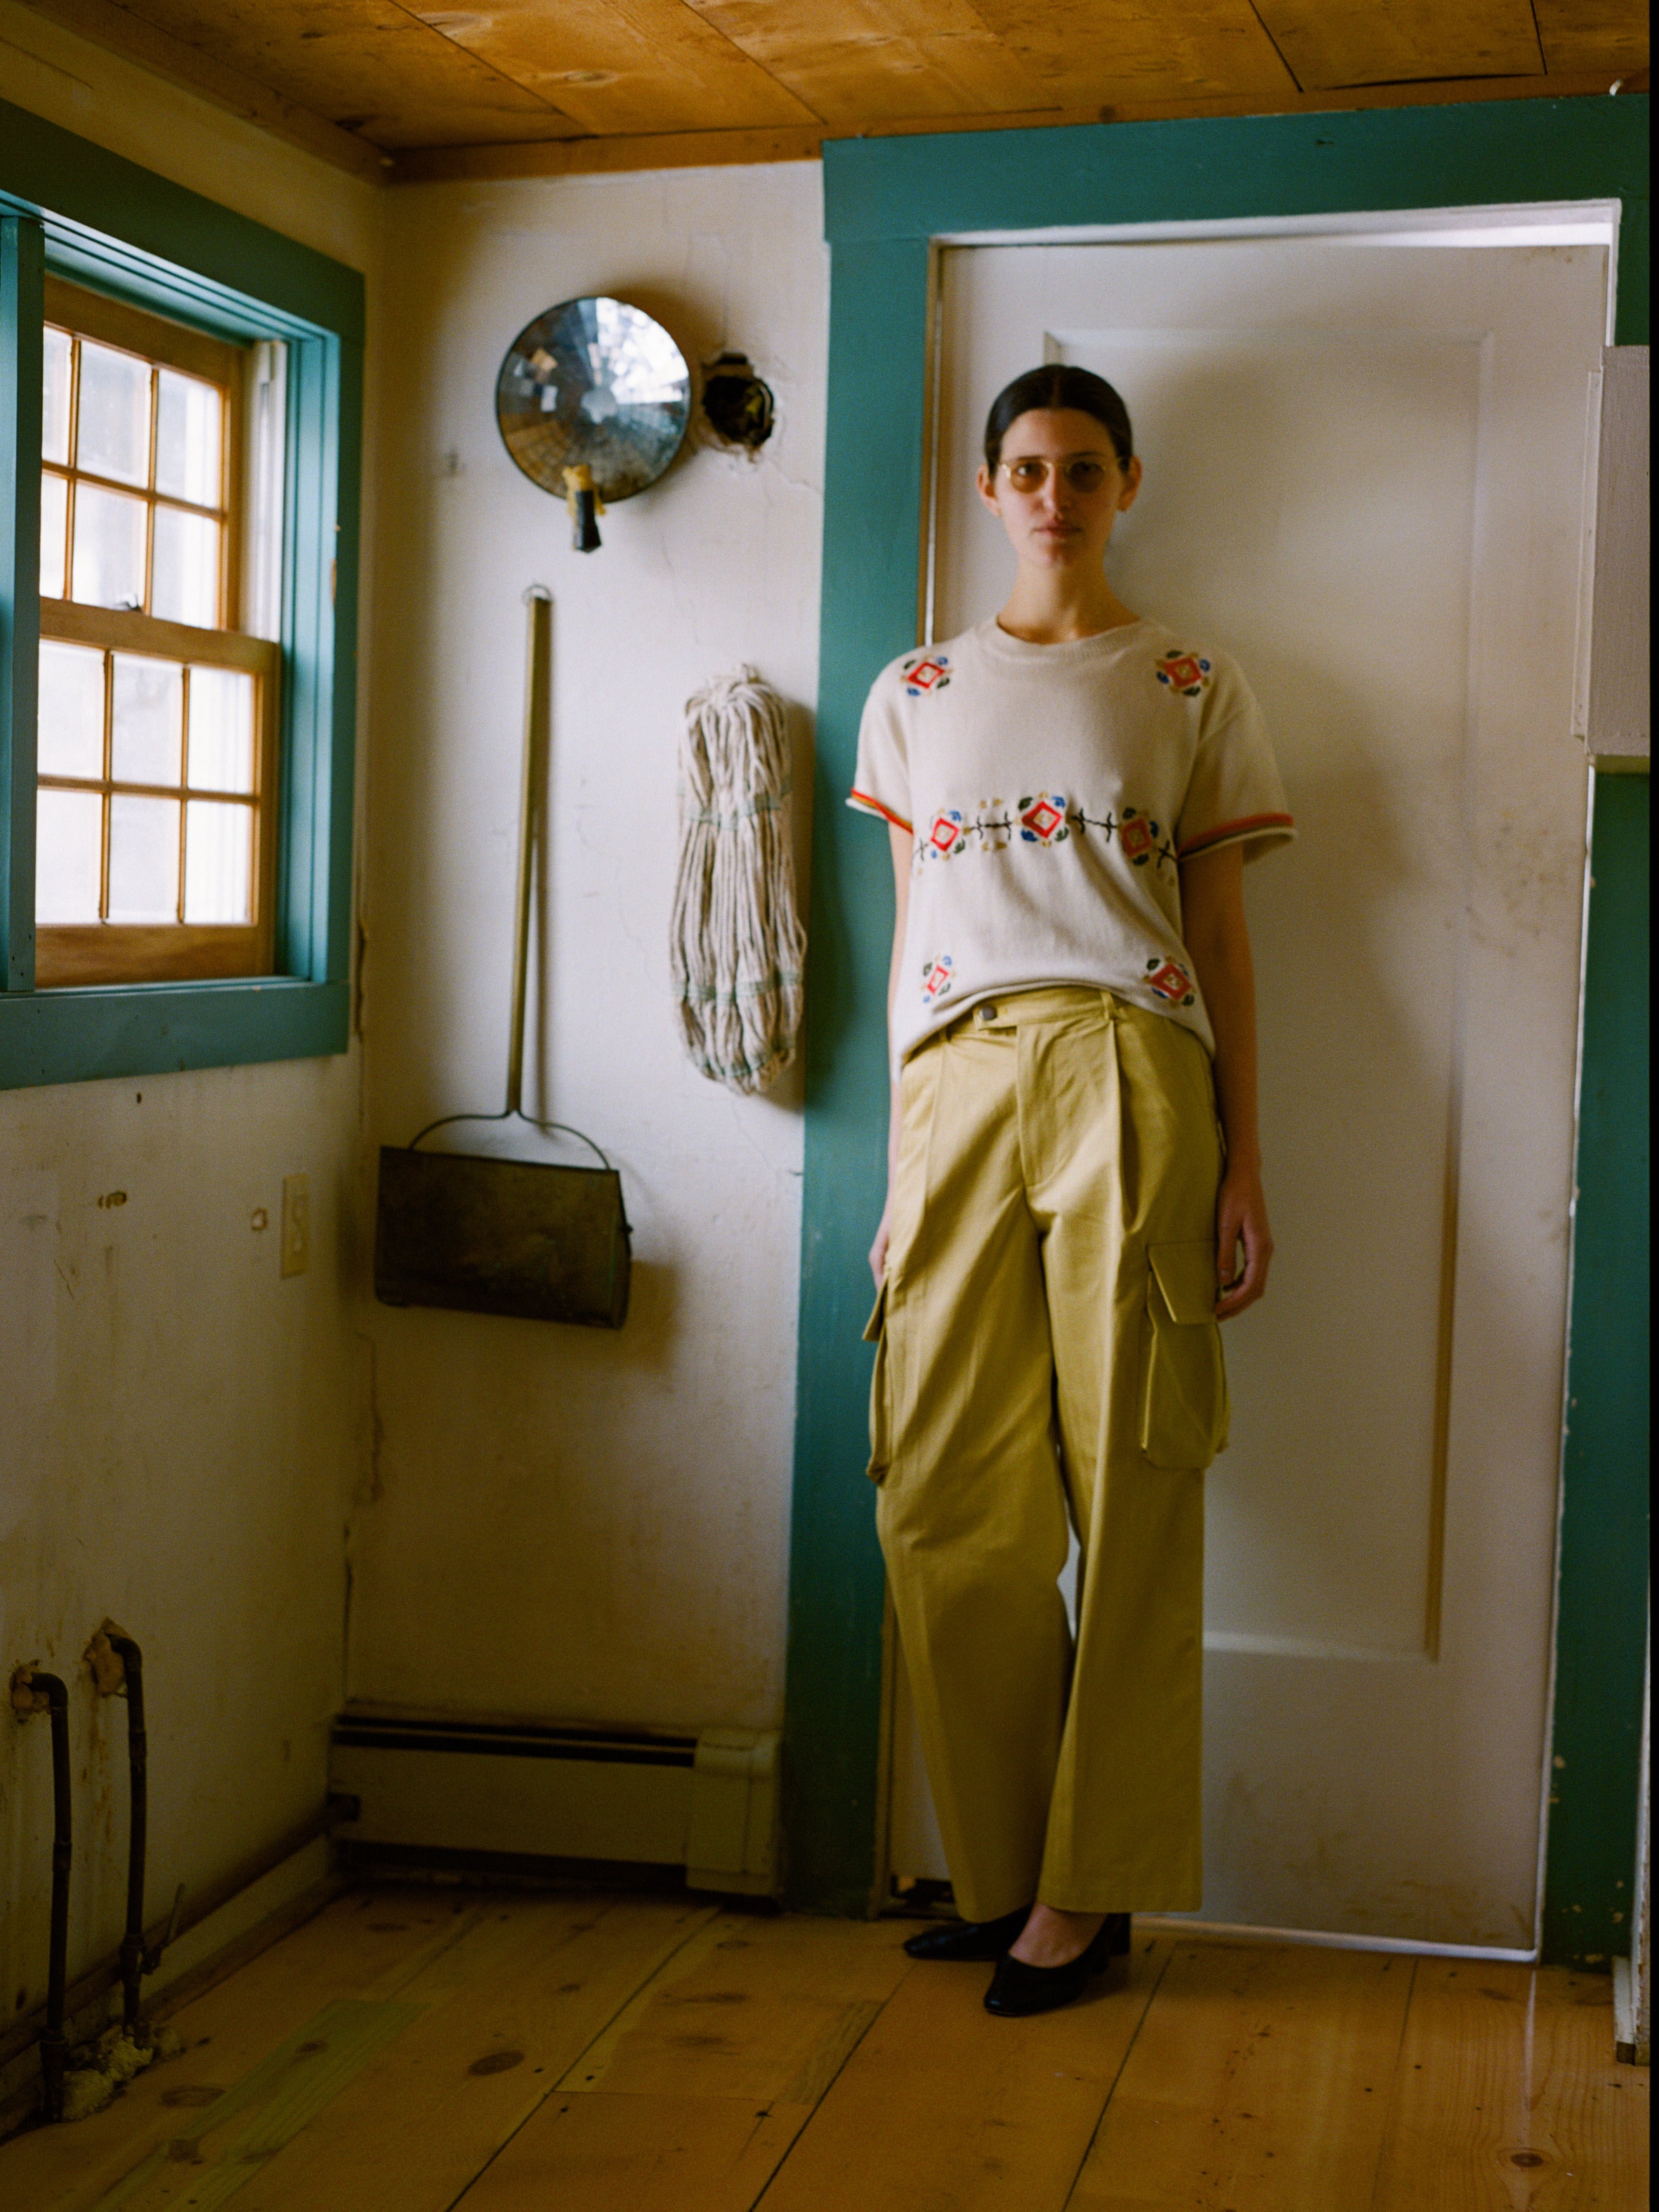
{"points": [[1047, 1360]]}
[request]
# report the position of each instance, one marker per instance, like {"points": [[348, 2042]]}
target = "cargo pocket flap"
{"points": [[1186, 1274], [1184, 1413]]}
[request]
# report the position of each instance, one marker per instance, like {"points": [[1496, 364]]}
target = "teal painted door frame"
{"points": [[1602, 1599], [886, 200]]}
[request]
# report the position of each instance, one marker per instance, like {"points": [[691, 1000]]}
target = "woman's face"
{"points": [[1059, 487]]}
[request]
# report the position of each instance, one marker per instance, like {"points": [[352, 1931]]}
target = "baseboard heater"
{"points": [[707, 1802]]}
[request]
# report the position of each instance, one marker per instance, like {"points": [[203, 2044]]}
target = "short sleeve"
{"points": [[881, 781], [1234, 796]]}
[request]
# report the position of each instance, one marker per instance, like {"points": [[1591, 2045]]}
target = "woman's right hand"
{"points": [[878, 1250]]}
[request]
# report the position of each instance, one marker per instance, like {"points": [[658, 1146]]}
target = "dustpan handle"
{"points": [[537, 707], [448, 1122], [539, 600]]}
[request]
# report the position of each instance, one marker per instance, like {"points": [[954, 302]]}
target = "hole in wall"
{"points": [[737, 406]]}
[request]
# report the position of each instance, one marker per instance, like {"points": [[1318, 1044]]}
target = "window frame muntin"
{"points": [[106, 222]]}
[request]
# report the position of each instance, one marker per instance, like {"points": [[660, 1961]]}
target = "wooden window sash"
{"points": [[70, 953], [169, 345], [124, 629], [102, 952]]}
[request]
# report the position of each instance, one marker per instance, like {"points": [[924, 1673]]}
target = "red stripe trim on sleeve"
{"points": [[862, 799], [1243, 828]]}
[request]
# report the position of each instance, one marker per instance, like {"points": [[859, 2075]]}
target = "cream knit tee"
{"points": [[1050, 792]]}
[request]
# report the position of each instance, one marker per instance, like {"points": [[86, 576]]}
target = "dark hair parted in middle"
{"points": [[1059, 385]]}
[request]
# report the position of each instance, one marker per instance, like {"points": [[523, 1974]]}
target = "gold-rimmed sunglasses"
{"points": [[1079, 472]]}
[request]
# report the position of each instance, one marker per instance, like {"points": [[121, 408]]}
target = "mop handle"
{"points": [[539, 602]]}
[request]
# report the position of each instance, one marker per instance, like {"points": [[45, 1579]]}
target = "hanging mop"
{"points": [[736, 941]]}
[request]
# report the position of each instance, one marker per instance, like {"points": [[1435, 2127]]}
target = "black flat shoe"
{"points": [[1017, 1991], [974, 1940]]}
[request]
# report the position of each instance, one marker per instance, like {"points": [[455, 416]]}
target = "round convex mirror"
{"points": [[593, 384]]}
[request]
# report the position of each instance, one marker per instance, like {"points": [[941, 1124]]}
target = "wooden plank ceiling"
{"points": [[530, 86]]}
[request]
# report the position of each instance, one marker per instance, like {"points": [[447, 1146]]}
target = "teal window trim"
{"points": [[1601, 1603], [72, 209], [885, 200]]}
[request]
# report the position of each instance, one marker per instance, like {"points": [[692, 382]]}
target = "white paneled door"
{"points": [[1365, 467]]}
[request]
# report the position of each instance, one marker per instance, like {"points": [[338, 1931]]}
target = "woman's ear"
{"points": [[1131, 484], [986, 485]]}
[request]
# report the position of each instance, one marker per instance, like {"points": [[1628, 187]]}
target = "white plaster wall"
{"points": [[180, 1424], [563, 1522]]}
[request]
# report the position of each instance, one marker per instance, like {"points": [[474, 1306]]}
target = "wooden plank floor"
{"points": [[429, 2050]]}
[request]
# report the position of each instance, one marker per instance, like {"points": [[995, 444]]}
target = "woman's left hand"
{"points": [[1241, 1220]]}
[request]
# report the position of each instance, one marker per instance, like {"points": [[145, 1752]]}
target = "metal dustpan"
{"points": [[481, 1235]]}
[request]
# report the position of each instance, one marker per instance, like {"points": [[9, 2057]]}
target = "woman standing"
{"points": [[1074, 1201]]}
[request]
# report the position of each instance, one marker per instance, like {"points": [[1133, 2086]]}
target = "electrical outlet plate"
{"points": [[296, 1224]]}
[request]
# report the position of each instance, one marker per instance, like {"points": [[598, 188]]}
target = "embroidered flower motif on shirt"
{"points": [[948, 836], [1137, 835], [937, 978], [1042, 819], [1186, 674], [1171, 982], [927, 671]]}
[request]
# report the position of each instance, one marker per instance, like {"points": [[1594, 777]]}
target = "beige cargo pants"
{"points": [[1047, 1355]]}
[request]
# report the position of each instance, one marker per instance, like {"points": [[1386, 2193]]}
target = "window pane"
{"points": [[113, 430], [187, 438], [218, 861], [55, 424], [71, 739], [68, 826], [184, 584], [54, 531], [143, 859], [146, 721], [109, 548], [220, 729]]}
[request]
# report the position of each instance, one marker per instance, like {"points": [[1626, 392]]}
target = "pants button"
{"points": [[984, 1013]]}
